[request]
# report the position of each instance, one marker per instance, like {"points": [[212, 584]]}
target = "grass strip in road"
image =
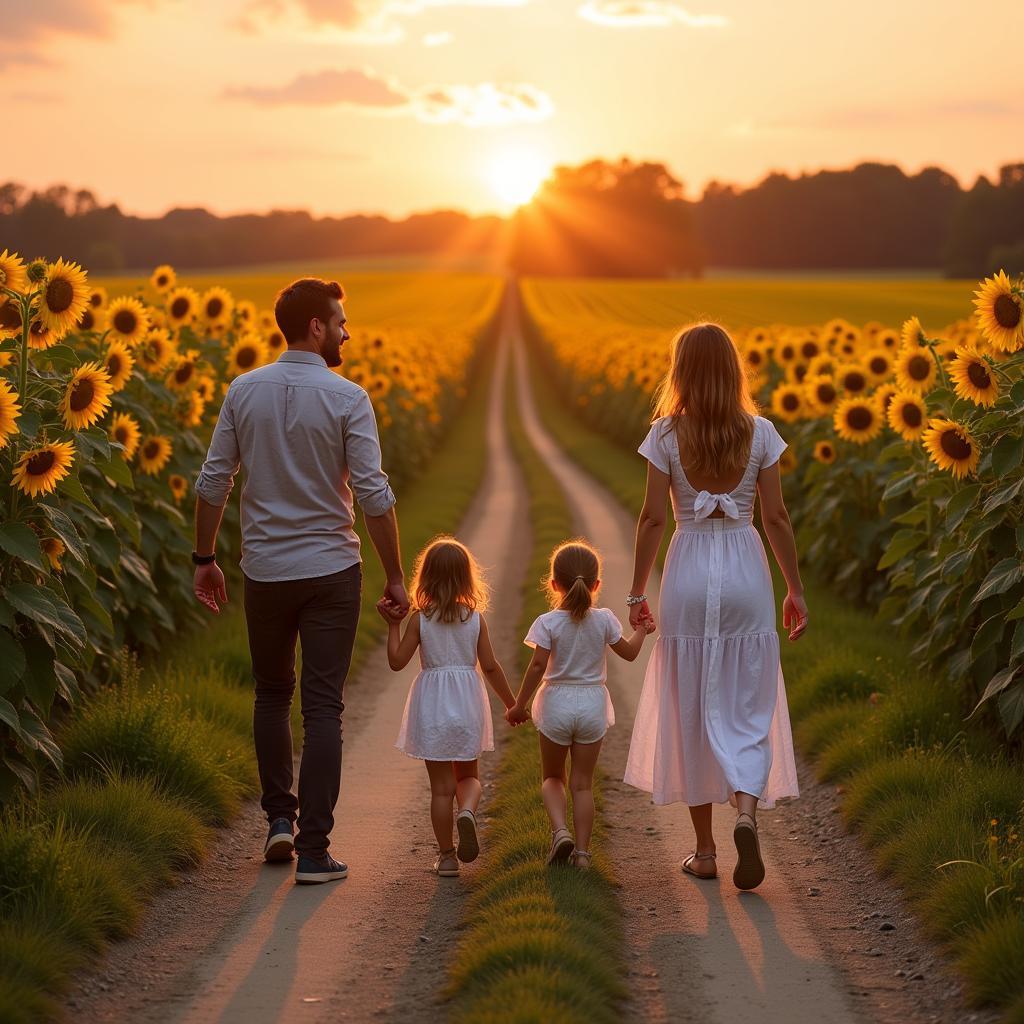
{"points": [[154, 763], [540, 943], [940, 804]]}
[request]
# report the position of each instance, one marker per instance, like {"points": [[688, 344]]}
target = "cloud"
{"points": [[352, 21], [475, 106], [437, 38], [325, 88], [646, 14]]}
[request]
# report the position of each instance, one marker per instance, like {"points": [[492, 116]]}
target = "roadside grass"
{"points": [[938, 801], [539, 943], [154, 762]]}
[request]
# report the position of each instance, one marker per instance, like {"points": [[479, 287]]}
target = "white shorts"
{"points": [[570, 713]]}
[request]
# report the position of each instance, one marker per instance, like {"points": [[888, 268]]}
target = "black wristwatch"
{"points": [[203, 559]]}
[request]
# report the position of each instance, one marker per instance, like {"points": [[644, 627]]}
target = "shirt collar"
{"points": [[291, 355]]}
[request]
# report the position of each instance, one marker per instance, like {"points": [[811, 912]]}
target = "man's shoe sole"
{"points": [[319, 877], [279, 849]]}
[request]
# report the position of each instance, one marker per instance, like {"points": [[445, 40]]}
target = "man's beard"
{"points": [[333, 358]]}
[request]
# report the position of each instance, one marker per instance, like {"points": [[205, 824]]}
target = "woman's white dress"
{"points": [[713, 718], [447, 714]]}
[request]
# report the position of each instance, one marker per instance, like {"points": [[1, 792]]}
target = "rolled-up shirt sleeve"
{"points": [[217, 476], [362, 453]]}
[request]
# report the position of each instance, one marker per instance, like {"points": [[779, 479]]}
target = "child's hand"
{"points": [[389, 611], [516, 715], [647, 622]]}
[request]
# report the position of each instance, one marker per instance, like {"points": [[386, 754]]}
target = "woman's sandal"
{"points": [[688, 867], [446, 865], [749, 870], [581, 859], [561, 846]]}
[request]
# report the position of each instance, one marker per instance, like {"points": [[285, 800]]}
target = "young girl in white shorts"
{"points": [[573, 709], [447, 720]]}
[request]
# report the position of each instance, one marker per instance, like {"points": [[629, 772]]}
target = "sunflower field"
{"points": [[905, 471], [106, 408]]}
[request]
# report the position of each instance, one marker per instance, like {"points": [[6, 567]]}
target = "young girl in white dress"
{"points": [[712, 724], [573, 709], [447, 720]]}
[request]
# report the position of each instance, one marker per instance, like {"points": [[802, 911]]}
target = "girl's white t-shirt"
{"points": [[577, 648]]}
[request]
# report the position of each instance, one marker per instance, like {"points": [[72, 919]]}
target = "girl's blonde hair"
{"points": [[447, 581], [572, 577], [708, 397]]}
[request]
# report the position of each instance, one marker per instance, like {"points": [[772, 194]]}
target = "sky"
{"points": [[395, 106]]}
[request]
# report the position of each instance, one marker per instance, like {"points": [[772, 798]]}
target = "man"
{"points": [[307, 440]]}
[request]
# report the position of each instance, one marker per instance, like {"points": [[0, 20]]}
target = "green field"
{"points": [[749, 302]]}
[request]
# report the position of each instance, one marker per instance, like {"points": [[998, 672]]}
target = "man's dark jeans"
{"points": [[322, 613]]}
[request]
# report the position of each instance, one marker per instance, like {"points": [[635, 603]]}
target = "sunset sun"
{"points": [[515, 175]]}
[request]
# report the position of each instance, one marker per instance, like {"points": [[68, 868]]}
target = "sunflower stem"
{"points": [[938, 362], [25, 304]]}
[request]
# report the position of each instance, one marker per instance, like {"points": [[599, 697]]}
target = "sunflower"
{"points": [[852, 378], [820, 393], [9, 411], [124, 429], [888, 339], [973, 378], [822, 366], [848, 342], [787, 461], [163, 278], [191, 409], [12, 273], [788, 402], [89, 320], [378, 385], [786, 352], [10, 320], [87, 396], [156, 352], [41, 337], [809, 348], [825, 451], [179, 487], [883, 395], [119, 363], [182, 307], [206, 387], [246, 354], [245, 313], [266, 320], [755, 357], [907, 415], [915, 369], [183, 376], [63, 297], [759, 336], [127, 320], [912, 333], [878, 363], [54, 549], [40, 470], [276, 343], [999, 313], [857, 420], [215, 307], [796, 372], [154, 454], [951, 447], [97, 297]]}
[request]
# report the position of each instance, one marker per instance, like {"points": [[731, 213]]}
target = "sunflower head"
{"points": [[40, 469], [249, 352], [973, 378], [97, 297], [215, 307], [36, 270], [857, 420], [156, 351], [12, 273], [54, 549], [63, 297], [10, 410], [907, 414], [852, 378], [87, 396], [182, 306], [787, 462], [878, 363], [825, 451], [915, 368], [119, 363], [1000, 312], [163, 278], [154, 453], [820, 392], [41, 337], [912, 333], [127, 320], [124, 429], [179, 487], [186, 370], [951, 447]]}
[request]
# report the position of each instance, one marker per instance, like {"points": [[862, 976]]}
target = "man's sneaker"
{"points": [[314, 870], [280, 842]]}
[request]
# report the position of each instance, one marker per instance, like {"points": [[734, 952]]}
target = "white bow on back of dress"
{"points": [[705, 503]]}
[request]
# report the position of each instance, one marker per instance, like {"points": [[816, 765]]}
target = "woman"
{"points": [[712, 725]]}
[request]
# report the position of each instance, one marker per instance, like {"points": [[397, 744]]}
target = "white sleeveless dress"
{"points": [[713, 718], [447, 714]]}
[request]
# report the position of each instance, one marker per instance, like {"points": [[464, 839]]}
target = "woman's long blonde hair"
{"points": [[575, 567], [708, 397], [447, 581]]}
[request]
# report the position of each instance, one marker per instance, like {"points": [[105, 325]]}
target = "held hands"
{"points": [[209, 587], [394, 605], [517, 715], [391, 612], [648, 625], [794, 615], [640, 617]]}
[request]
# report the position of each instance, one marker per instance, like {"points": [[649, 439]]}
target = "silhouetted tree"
{"points": [[987, 218]]}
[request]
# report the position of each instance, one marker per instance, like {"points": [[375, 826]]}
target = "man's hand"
{"points": [[208, 586], [638, 613], [395, 594]]}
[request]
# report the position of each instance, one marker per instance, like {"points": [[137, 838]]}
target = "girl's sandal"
{"points": [[469, 843], [688, 866], [561, 846], [581, 859], [446, 865], [749, 870]]}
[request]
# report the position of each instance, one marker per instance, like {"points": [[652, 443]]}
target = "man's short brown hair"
{"points": [[303, 300]]}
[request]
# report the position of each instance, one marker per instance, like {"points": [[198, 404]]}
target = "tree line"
{"points": [[601, 218]]}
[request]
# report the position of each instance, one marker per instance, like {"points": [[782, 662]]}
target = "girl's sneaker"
{"points": [[447, 865], [561, 846], [469, 844]]}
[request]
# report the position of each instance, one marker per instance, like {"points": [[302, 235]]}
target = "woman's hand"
{"points": [[794, 615], [639, 614], [516, 715]]}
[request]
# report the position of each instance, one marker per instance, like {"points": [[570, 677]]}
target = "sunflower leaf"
{"points": [[72, 487], [1007, 454], [19, 540], [1011, 708], [903, 542], [61, 354], [960, 504], [1001, 577], [44, 608]]}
